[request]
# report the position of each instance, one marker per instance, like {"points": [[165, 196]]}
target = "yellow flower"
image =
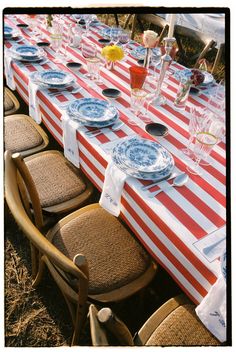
{"points": [[112, 53]]}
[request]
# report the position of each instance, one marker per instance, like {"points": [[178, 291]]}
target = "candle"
{"points": [[171, 25]]}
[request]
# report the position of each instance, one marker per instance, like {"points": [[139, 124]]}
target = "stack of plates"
{"points": [[10, 33], [53, 79], [208, 78], [93, 112], [139, 53], [142, 158], [28, 53]]}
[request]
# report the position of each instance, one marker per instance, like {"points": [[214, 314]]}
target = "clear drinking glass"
{"points": [[137, 100], [197, 121], [204, 144], [89, 52], [150, 86], [56, 39]]}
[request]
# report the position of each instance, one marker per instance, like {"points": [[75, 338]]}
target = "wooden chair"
{"points": [[11, 103], [59, 185], [22, 134], [89, 253], [173, 324]]}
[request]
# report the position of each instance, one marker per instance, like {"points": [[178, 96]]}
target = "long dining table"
{"points": [[169, 224]]}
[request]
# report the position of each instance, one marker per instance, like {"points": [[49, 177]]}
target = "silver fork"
{"points": [[173, 175]]}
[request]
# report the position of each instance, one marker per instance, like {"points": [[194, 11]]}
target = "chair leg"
{"points": [[127, 20], [80, 319], [117, 20], [218, 57], [204, 51], [39, 275], [34, 260], [133, 26]]}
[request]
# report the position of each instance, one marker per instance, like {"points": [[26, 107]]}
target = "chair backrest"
{"points": [[104, 321], [35, 236]]}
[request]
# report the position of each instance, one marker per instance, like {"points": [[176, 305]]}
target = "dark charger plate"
{"points": [[104, 41], [74, 65], [43, 43], [111, 93], [156, 129], [22, 25]]}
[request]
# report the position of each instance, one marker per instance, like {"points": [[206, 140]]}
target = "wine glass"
{"points": [[89, 52], [115, 34], [56, 39], [204, 143], [198, 118], [124, 40], [88, 19]]}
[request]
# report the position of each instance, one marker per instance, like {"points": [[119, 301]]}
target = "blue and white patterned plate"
{"points": [[55, 78], [157, 175], [8, 31], [145, 155], [28, 59], [95, 124], [27, 51], [93, 110], [208, 78], [223, 265], [140, 52]]}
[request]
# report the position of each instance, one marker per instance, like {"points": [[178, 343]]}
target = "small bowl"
{"points": [[82, 22], [76, 66], [22, 25], [43, 44], [140, 62], [194, 90], [104, 41], [156, 129], [111, 93]]}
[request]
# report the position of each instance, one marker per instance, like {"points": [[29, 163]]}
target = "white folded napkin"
{"points": [[34, 110], [71, 150], [8, 71], [112, 189], [212, 245], [212, 309]]}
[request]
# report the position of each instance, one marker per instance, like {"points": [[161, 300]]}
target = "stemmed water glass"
{"points": [[115, 34], [88, 18], [56, 39], [204, 143], [198, 119]]}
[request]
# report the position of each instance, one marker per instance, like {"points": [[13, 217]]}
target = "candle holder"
{"points": [[165, 63]]}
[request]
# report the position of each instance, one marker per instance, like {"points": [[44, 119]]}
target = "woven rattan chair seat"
{"points": [[114, 257], [55, 178], [20, 134], [11, 104], [182, 328]]}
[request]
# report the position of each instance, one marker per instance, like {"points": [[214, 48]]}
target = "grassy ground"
{"points": [[39, 317]]}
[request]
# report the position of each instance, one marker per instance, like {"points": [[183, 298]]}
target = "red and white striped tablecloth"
{"points": [[169, 224]]}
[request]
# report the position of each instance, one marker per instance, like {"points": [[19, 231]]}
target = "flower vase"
{"points": [[110, 65], [182, 94]]}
